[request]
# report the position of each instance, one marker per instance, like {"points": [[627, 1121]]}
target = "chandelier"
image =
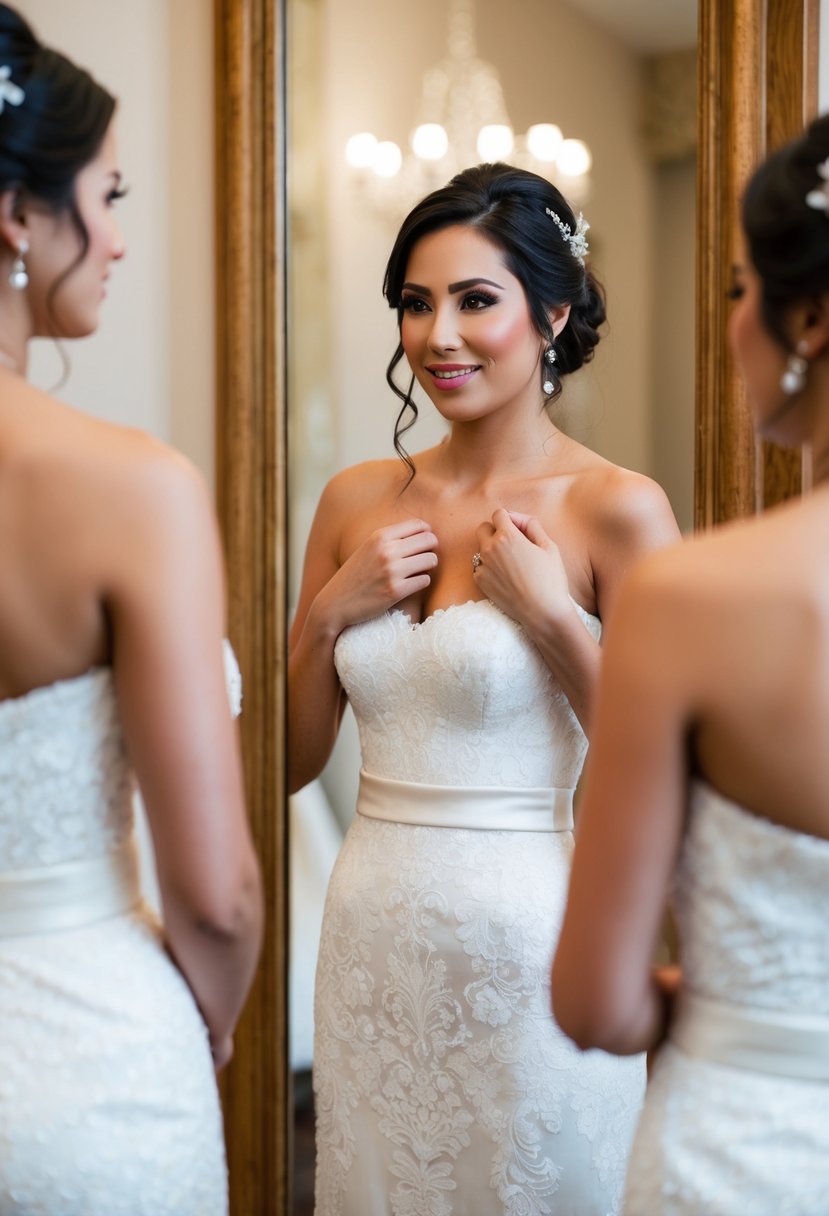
{"points": [[462, 121]]}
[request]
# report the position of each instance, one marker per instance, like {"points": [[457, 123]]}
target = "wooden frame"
{"points": [[757, 86], [757, 76]]}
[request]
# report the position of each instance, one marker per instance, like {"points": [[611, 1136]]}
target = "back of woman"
{"points": [[715, 791], [111, 674]]}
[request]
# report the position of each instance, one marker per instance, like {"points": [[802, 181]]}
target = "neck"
{"points": [[489, 450]]}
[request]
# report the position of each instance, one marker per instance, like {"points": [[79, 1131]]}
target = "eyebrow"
{"points": [[453, 287]]}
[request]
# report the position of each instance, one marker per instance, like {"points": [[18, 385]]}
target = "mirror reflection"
{"points": [[625, 91]]}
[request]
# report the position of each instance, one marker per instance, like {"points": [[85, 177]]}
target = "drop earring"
{"points": [[793, 379], [547, 385], [18, 278]]}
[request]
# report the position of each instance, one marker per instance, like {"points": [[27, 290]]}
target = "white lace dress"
{"points": [[442, 1084], [108, 1099], [736, 1119]]}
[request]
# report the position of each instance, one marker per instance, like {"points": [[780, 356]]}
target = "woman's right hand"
{"points": [[391, 564]]}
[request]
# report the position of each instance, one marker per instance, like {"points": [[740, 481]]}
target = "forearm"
{"points": [[218, 960], [572, 655], [315, 701]]}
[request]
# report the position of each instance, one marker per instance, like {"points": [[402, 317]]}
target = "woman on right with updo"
{"points": [[709, 781], [456, 598]]}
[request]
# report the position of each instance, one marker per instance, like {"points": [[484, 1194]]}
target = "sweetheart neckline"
{"points": [[440, 612]]}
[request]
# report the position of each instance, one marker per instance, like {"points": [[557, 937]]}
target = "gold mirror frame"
{"points": [[757, 84]]}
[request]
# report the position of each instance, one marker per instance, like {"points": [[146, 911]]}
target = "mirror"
{"points": [[626, 87], [757, 71]]}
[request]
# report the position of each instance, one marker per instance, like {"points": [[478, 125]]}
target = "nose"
{"points": [[118, 245], [443, 334]]}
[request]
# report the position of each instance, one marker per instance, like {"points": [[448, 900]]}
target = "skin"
{"points": [[554, 523], [715, 668], [112, 543]]}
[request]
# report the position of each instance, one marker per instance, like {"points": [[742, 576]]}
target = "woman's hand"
{"points": [[521, 569], [391, 564]]}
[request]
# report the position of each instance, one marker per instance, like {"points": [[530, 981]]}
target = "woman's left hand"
{"points": [[521, 569]]}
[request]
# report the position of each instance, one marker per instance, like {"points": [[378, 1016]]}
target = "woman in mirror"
{"points": [[456, 599], [111, 627], [708, 779]]}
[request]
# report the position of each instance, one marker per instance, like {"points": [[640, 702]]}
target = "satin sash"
{"points": [[485, 808]]}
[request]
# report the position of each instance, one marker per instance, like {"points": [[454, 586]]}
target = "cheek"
{"points": [[504, 336]]}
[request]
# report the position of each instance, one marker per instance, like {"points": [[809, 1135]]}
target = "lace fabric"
{"points": [[715, 1136], [442, 1083], [108, 1100]]}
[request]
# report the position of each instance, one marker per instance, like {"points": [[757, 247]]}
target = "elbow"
{"points": [[227, 912], [594, 1015]]}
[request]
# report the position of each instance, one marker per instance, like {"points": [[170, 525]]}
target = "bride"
{"points": [[456, 599]]}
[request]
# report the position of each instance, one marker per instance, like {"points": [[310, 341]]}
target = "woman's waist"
{"points": [[481, 807], [47, 899], [789, 1043]]}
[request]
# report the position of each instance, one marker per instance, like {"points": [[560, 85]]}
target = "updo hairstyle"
{"points": [[508, 207], [56, 130], [788, 240]]}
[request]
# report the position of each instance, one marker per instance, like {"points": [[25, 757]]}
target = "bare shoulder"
{"points": [[620, 502], [362, 485]]}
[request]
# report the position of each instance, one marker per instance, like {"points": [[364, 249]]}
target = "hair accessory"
{"points": [[18, 278], [793, 379], [9, 91], [819, 199], [576, 240]]}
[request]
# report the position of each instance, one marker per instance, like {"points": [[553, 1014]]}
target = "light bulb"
{"points": [[359, 150], [387, 159], [430, 141], [573, 158], [544, 140], [495, 142]]}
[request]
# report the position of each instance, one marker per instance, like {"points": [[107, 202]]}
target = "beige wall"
{"points": [[151, 362]]}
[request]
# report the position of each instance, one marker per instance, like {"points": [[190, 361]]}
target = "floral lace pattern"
{"points": [[108, 1101], [443, 1085], [750, 902]]}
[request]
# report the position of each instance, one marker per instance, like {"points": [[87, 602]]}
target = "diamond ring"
{"points": [[476, 560]]}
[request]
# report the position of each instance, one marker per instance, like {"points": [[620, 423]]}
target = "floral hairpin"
{"points": [[576, 240], [9, 91], [819, 198]]}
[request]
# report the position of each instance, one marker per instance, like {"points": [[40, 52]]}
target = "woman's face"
{"points": [[466, 329], [762, 361], [55, 245]]}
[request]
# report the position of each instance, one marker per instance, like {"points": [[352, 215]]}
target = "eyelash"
{"points": [[114, 195], [408, 303], [736, 292]]}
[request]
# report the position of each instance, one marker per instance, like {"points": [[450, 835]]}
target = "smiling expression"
{"points": [[466, 328]]}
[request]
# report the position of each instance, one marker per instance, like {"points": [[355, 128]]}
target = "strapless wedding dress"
{"points": [[736, 1119], [108, 1099], [443, 1085]]}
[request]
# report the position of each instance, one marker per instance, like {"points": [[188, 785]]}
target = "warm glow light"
{"points": [[430, 141], [387, 159], [573, 158], [360, 149], [495, 142], [544, 140]]}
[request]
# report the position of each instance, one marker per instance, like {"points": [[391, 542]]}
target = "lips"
{"points": [[452, 375]]}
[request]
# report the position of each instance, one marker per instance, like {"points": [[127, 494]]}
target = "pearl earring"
{"points": [[793, 379], [18, 278]]}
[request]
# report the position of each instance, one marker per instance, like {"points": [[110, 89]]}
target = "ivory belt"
{"points": [[66, 896], [485, 808], [766, 1040]]}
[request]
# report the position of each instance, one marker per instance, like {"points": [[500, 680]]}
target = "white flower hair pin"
{"points": [[9, 91], [576, 240], [819, 198]]}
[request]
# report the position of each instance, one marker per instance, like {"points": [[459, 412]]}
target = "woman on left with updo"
{"points": [[112, 1025]]}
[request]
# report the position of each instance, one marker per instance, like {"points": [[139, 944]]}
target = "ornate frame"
{"points": [[757, 83]]}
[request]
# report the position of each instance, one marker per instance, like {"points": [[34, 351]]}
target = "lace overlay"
{"points": [[442, 1083], [751, 909], [108, 1101]]}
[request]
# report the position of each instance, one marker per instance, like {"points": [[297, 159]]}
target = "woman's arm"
{"points": [[164, 595], [624, 517], [605, 993], [391, 564]]}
